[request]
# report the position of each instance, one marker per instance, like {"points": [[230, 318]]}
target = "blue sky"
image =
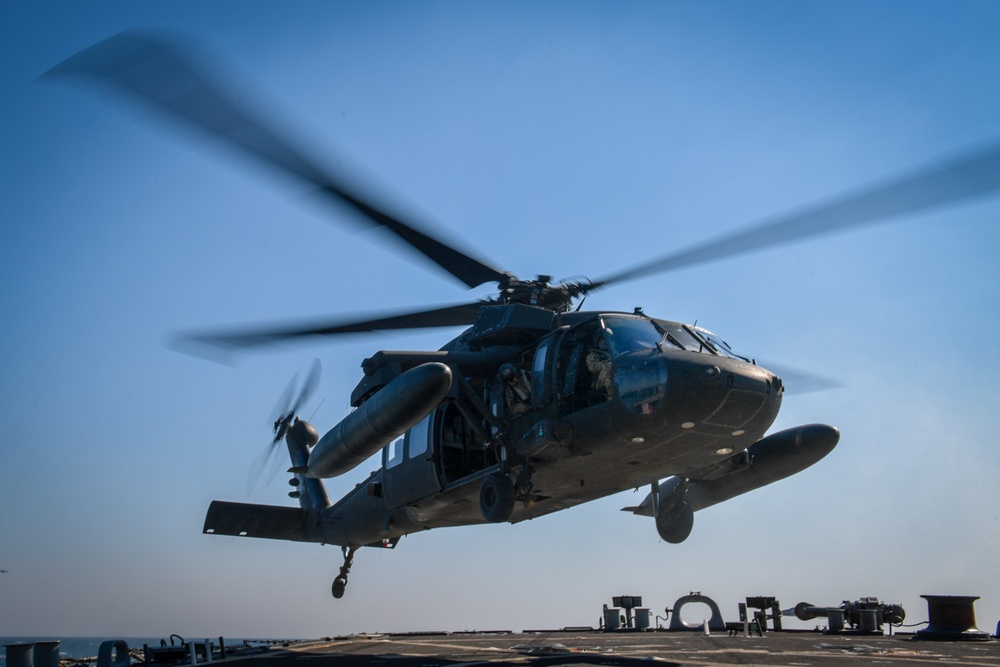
{"points": [[559, 138]]}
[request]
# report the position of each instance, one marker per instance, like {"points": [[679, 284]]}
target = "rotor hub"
{"points": [[542, 293]]}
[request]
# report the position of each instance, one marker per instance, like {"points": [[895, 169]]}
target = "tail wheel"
{"points": [[339, 586], [340, 583], [496, 498]]}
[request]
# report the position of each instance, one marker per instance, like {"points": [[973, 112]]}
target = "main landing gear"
{"points": [[498, 493], [340, 583], [496, 498]]}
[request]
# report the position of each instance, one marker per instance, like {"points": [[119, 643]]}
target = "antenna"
{"points": [[317, 409]]}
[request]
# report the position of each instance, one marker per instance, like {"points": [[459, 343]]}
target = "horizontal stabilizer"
{"points": [[246, 520]]}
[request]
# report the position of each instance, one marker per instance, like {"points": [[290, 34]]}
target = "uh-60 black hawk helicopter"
{"points": [[537, 406]]}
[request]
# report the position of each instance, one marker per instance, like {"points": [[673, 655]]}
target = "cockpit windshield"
{"points": [[631, 334], [680, 336], [719, 345]]}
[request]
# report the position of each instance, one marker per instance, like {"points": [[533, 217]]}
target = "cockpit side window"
{"points": [[583, 366]]}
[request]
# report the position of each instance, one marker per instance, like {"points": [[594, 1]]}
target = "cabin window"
{"points": [[394, 455], [418, 437]]}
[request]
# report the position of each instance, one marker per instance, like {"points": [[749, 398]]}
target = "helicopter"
{"points": [[537, 405]]}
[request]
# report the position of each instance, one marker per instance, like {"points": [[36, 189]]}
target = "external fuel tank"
{"points": [[393, 410]]}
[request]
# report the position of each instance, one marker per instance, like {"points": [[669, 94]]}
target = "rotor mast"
{"points": [[542, 293]]}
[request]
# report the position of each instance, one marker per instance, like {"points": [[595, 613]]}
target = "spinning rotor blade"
{"points": [[442, 317], [797, 381], [160, 72], [259, 465], [974, 175], [287, 406], [284, 411]]}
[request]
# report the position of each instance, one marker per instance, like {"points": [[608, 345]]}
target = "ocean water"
{"points": [[86, 647]]}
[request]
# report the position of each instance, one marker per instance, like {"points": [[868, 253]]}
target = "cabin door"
{"points": [[408, 470]]}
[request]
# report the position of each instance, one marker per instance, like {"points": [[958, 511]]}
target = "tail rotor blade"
{"points": [[285, 410], [284, 403], [259, 465], [308, 385]]}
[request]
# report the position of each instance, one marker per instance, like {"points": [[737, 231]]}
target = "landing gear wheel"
{"points": [[496, 498], [340, 583], [674, 525]]}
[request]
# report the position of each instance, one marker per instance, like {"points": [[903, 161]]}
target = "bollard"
{"points": [[19, 655], [868, 621], [208, 650], [222, 648], [192, 653], [952, 617], [46, 654], [612, 618], [704, 626]]}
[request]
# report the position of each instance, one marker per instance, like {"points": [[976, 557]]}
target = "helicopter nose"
{"points": [[723, 394]]}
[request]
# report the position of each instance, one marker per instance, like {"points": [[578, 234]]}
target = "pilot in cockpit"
{"points": [[598, 362]]}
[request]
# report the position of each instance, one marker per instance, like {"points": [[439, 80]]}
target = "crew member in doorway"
{"points": [[516, 388]]}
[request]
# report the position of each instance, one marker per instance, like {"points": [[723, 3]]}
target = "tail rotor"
{"points": [[284, 417]]}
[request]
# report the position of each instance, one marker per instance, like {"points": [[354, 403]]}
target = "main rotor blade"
{"points": [[975, 174], [159, 71], [441, 317], [797, 381]]}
